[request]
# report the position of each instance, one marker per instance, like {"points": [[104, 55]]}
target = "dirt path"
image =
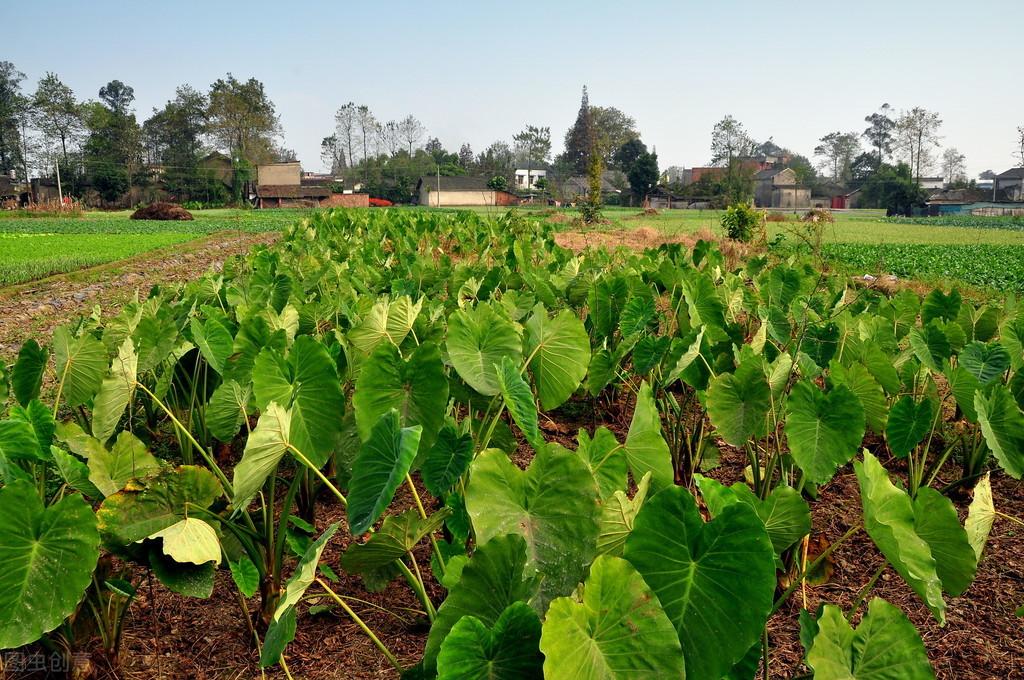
{"points": [[34, 309]]}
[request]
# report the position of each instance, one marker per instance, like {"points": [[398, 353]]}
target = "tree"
{"points": [[433, 146], [838, 149], [954, 167], [534, 145], [113, 150], [388, 135], [243, 120], [12, 110], [628, 154], [1019, 151], [345, 120], [57, 114], [411, 131], [466, 155], [801, 166], [174, 136], [643, 174], [580, 138], [916, 133], [117, 96], [893, 188], [729, 140], [332, 154], [612, 129], [863, 167], [367, 128], [497, 159], [879, 132]]}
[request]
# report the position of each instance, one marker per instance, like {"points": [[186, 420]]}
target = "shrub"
{"points": [[818, 215], [740, 220], [777, 217]]}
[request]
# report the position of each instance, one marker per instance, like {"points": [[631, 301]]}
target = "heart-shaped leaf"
{"points": [[612, 628], [447, 460], [398, 535], [985, 362], [824, 430], [646, 450], [264, 448], [81, 365], [560, 353], [1002, 424], [190, 540], [27, 375], [115, 392], [738, 403], [508, 651], [381, 465], [909, 422], [715, 570], [478, 338]]}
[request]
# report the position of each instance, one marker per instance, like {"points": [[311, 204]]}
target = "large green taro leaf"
{"points": [[824, 430], [605, 458], [612, 628], [508, 651], [936, 521], [553, 505], [227, 410], [618, 513], [47, 555], [154, 504], [388, 321], [307, 385], [81, 365], [560, 354], [115, 392], [478, 338], [264, 448], [738, 403], [1002, 424], [214, 342], [128, 458], [519, 401], [447, 460], [494, 578], [909, 422], [646, 450], [397, 536], [885, 646], [862, 383], [715, 580], [417, 388], [380, 467], [27, 375], [889, 521], [984, 362]]}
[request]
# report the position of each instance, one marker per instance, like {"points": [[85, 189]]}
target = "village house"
{"points": [[526, 178], [464, 190], [1011, 184], [778, 188], [280, 185]]}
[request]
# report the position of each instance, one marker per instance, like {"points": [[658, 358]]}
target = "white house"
{"points": [[932, 183], [527, 178]]}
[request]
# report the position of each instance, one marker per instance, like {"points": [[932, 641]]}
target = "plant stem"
{"points": [[866, 589], [813, 565], [359, 622], [416, 583], [305, 461], [423, 515]]}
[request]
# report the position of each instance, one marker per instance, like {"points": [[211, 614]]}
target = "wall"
{"points": [[346, 201], [430, 198], [279, 174], [791, 198]]}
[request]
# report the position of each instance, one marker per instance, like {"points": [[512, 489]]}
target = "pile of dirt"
{"points": [[162, 211]]}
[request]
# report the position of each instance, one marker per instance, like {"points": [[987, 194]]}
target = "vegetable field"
{"points": [[528, 461]]}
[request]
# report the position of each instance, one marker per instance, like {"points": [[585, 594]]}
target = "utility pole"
{"points": [[438, 185], [60, 193]]}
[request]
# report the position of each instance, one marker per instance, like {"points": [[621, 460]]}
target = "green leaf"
{"points": [[386, 321], [617, 516], [227, 410], [382, 464], [254, 335], [416, 388], [397, 536], [190, 540], [985, 362], [519, 402], [74, 472], [715, 570], [478, 338], [81, 365], [738, 403], [48, 556], [824, 430], [884, 646], [40, 418], [963, 385], [553, 505], [127, 459], [889, 521], [245, 575], [27, 376], [938, 305], [613, 627], [115, 392], [909, 422], [142, 509], [980, 516], [155, 337], [560, 354], [447, 460], [930, 346], [494, 578], [863, 384], [605, 458], [1002, 424], [214, 342], [307, 385], [936, 521], [646, 450], [186, 579], [18, 441], [508, 651], [264, 448]]}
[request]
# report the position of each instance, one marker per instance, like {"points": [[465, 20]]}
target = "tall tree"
{"points": [[113, 150], [12, 110], [175, 136], [954, 168], [367, 128], [917, 132], [332, 154], [627, 154], [580, 138], [533, 145], [1019, 151], [388, 135], [243, 120], [411, 131], [496, 160], [57, 114], [346, 121], [838, 149], [729, 141], [466, 155], [879, 132], [612, 129], [643, 174]]}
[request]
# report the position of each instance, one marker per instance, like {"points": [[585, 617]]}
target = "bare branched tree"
{"points": [[411, 131]]}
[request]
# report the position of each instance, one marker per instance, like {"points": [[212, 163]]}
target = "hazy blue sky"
{"points": [[479, 71]]}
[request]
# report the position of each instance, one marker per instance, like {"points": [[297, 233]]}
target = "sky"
{"points": [[480, 71]]}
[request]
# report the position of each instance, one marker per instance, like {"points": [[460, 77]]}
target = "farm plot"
{"points": [[441, 445]]}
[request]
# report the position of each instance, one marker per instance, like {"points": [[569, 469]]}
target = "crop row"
{"points": [[371, 351], [1015, 223]]}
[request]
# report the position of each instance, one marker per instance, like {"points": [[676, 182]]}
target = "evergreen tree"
{"points": [[580, 140]]}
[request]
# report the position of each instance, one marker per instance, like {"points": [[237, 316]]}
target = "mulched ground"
{"points": [[170, 636]]}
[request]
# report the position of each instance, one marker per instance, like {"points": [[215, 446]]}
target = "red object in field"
{"points": [[839, 202], [380, 202]]}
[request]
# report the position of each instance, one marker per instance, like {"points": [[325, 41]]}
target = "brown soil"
{"points": [[162, 211], [34, 309]]}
